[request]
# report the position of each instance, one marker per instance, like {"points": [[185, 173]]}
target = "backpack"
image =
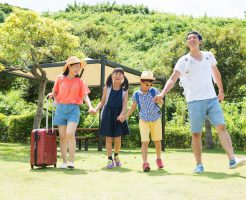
{"points": [[152, 92]]}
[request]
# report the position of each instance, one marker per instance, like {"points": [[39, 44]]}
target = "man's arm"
{"points": [[218, 81], [168, 86]]}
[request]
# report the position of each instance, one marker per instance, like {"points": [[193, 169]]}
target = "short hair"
{"points": [[195, 33]]}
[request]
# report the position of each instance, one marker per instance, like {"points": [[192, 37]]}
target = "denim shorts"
{"points": [[66, 113], [201, 109]]}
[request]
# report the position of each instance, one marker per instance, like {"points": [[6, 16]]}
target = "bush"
{"points": [[3, 128], [177, 138], [20, 127], [11, 103], [134, 139]]}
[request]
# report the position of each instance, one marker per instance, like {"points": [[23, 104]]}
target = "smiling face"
{"points": [[117, 77], [74, 69], [193, 41]]}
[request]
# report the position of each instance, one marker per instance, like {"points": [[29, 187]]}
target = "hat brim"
{"points": [[82, 65], [151, 79]]}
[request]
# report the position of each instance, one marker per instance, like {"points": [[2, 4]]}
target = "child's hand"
{"points": [[121, 118], [158, 101], [158, 98], [92, 111]]}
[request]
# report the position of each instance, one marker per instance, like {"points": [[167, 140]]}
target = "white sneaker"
{"points": [[63, 166], [237, 162], [71, 165]]}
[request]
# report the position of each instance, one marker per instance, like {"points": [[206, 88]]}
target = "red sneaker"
{"points": [[146, 167], [159, 163]]}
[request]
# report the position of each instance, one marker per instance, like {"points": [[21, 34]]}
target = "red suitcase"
{"points": [[43, 145]]}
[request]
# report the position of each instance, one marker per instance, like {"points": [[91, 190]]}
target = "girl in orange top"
{"points": [[69, 92]]}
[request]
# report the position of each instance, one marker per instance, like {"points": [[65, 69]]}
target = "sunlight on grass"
{"points": [[91, 180]]}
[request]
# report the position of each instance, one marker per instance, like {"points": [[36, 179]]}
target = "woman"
{"points": [[69, 92]]}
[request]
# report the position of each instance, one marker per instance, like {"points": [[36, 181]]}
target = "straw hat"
{"points": [[147, 75], [73, 60]]}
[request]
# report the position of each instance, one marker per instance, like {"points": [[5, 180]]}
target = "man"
{"points": [[196, 70]]}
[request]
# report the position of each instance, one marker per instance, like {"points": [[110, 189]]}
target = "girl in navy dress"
{"points": [[114, 104]]}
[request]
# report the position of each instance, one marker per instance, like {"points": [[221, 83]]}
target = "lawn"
{"points": [[91, 180]]}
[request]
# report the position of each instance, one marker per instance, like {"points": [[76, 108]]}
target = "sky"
{"points": [[196, 8]]}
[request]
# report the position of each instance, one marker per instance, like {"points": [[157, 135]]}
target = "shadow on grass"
{"points": [[219, 175], [75, 171], [212, 175], [159, 172], [205, 150], [116, 169]]}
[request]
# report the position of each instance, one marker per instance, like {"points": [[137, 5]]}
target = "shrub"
{"points": [[20, 127], [3, 128]]}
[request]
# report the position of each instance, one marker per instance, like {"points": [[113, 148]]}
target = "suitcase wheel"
{"points": [[43, 166], [55, 165], [31, 166]]}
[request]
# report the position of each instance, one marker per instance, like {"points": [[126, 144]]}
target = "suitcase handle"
{"points": [[47, 116]]}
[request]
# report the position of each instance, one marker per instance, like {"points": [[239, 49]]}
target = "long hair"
{"points": [[124, 85]]}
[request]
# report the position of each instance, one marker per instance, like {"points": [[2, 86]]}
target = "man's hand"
{"points": [[158, 99], [221, 95]]}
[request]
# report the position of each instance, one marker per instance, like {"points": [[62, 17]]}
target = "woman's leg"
{"points": [[70, 133], [63, 142]]}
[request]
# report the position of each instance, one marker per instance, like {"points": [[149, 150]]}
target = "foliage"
{"points": [[26, 30], [3, 127], [107, 7], [11, 103], [20, 127]]}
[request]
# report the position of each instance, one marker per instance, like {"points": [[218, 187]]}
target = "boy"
{"points": [[149, 117]]}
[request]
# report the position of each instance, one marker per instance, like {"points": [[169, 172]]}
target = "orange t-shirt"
{"points": [[70, 91]]}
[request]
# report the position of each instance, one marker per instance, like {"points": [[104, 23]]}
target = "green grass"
{"points": [[91, 180]]}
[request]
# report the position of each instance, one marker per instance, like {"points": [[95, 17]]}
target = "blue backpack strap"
{"points": [[153, 92], [137, 99]]}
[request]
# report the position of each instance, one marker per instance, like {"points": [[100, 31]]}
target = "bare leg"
{"points": [[144, 149], [109, 141], [225, 140], [117, 144], [197, 146], [63, 142], [158, 149], [70, 132]]}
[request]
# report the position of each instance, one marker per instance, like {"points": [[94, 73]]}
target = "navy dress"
{"points": [[110, 126]]}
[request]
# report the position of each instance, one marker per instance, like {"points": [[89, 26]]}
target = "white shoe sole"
{"points": [[239, 163]]}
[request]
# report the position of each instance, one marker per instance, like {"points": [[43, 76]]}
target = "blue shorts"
{"points": [[66, 113], [201, 109]]}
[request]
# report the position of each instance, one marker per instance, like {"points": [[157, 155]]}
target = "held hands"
{"points": [[158, 99], [121, 118], [92, 111]]}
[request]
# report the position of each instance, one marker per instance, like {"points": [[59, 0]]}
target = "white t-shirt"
{"points": [[196, 76]]}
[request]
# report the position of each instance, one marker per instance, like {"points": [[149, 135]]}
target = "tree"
{"points": [[28, 39]]}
